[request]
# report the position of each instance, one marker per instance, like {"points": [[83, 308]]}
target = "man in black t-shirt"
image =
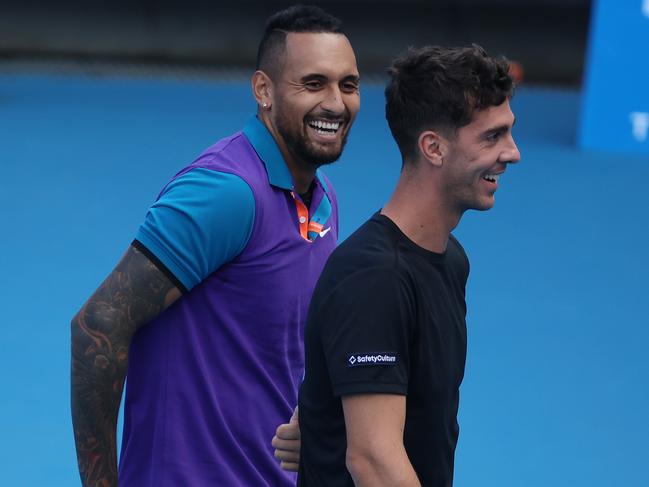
{"points": [[386, 333]]}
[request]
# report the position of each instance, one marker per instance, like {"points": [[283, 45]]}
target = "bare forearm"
{"points": [[390, 468], [133, 294], [376, 455]]}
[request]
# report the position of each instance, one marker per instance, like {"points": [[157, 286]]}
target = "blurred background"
{"points": [[102, 102], [549, 37]]}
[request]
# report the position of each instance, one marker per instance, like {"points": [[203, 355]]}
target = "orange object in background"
{"points": [[516, 71]]}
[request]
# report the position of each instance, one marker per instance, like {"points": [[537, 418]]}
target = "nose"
{"points": [[333, 101], [511, 154]]}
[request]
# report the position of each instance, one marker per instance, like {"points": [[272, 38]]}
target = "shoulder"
{"points": [[224, 146], [369, 294], [201, 183], [202, 219], [371, 246], [365, 264], [457, 256], [234, 155]]}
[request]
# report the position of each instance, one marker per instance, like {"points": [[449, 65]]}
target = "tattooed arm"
{"points": [[131, 296]]}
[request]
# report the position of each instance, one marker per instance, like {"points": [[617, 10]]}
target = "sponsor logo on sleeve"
{"points": [[371, 358]]}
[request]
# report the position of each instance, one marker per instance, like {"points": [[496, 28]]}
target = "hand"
{"points": [[287, 444]]}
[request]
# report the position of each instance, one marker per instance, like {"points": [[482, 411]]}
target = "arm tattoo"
{"points": [[131, 296]]}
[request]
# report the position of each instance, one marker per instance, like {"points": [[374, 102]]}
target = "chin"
{"points": [[483, 206], [487, 207], [321, 157]]}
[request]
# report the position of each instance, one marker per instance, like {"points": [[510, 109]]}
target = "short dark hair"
{"points": [[298, 18], [440, 88]]}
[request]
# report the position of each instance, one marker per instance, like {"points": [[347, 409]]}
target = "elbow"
{"points": [[86, 342], [374, 465], [360, 463], [75, 330], [78, 336], [80, 344]]}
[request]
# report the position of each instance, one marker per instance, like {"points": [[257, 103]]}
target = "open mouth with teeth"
{"points": [[324, 128], [492, 178]]}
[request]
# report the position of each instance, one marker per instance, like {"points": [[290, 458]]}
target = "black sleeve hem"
{"points": [[158, 263], [370, 388]]}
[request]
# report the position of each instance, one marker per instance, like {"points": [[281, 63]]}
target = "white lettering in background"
{"points": [[639, 125], [645, 7]]}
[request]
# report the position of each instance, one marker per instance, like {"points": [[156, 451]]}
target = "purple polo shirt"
{"points": [[210, 379]]}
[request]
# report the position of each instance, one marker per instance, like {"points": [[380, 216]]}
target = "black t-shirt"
{"points": [[387, 316]]}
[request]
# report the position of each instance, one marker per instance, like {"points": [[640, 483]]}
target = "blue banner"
{"points": [[615, 113]]}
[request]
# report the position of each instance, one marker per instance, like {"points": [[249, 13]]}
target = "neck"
{"points": [[302, 178], [302, 173], [419, 211]]}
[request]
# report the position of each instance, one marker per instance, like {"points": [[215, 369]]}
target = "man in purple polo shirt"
{"points": [[221, 272]]}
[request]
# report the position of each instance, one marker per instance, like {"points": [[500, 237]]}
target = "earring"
{"points": [[265, 105]]}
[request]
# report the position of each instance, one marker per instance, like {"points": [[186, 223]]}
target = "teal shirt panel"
{"points": [[202, 220]]}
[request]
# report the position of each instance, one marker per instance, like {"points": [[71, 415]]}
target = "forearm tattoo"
{"points": [[133, 294]]}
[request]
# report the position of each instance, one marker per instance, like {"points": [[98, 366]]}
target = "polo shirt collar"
{"points": [[268, 151]]}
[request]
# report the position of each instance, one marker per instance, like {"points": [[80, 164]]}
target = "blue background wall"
{"points": [[556, 390], [616, 89]]}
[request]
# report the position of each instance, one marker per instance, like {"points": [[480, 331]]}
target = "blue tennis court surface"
{"points": [[556, 391]]}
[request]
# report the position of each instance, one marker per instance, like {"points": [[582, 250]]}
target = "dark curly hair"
{"points": [[298, 18], [440, 88]]}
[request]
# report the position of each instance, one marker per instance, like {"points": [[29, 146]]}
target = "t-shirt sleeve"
{"points": [[202, 220], [367, 331]]}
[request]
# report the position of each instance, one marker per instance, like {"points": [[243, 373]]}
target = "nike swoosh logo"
{"points": [[324, 232]]}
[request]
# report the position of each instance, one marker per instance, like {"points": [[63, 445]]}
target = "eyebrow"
{"points": [[499, 128], [321, 77], [352, 77]]}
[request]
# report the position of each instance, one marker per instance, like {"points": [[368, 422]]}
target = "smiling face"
{"points": [[477, 156], [315, 98]]}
